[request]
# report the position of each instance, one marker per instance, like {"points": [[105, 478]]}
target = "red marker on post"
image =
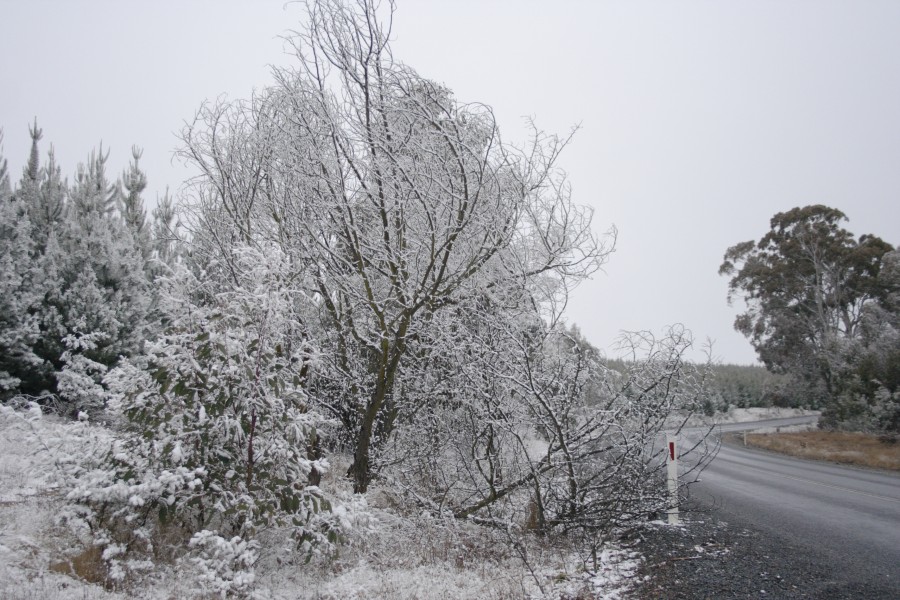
{"points": [[672, 478]]}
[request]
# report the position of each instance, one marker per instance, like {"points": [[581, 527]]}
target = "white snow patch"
{"points": [[745, 415], [391, 556]]}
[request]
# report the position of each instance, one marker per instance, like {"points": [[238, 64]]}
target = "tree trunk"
{"points": [[361, 469]]}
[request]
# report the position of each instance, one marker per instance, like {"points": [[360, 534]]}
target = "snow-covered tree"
{"points": [[215, 418], [76, 289], [402, 200], [531, 429], [19, 279], [102, 291], [49, 211], [868, 374], [135, 182], [166, 241], [19, 327]]}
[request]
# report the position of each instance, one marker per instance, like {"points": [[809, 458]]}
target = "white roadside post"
{"points": [[672, 478]]}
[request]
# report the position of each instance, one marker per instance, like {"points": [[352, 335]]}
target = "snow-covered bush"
{"points": [[216, 426], [226, 565], [539, 435], [79, 381]]}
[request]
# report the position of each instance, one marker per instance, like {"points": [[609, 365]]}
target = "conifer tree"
{"points": [[28, 189], [105, 287], [19, 329], [135, 182], [33, 167], [49, 203], [165, 230], [5, 190], [74, 286]]}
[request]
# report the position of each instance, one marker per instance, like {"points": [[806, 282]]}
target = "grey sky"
{"points": [[700, 120]]}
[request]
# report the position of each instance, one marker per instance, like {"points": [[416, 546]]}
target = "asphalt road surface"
{"points": [[844, 518]]}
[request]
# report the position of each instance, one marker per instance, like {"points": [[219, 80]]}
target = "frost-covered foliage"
{"points": [[226, 565], [539, 435], [404, 202], [76, 281], [216, 428], [79, 380], [19, 326], [436, 261], [868, 372], [748, 386], [403, 554]]}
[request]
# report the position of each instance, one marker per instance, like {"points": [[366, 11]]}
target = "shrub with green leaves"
{"points": [[217, 430]]}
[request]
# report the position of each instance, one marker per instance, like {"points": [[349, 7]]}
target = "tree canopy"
{"points": [[808, 285]]}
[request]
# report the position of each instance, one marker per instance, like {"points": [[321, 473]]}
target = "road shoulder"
{"points": [[716, 555]]}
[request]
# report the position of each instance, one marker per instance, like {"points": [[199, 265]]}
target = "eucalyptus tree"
{"points": [[807, 285]]}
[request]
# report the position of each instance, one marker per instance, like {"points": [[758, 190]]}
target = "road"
{"points": [[845, 517]]}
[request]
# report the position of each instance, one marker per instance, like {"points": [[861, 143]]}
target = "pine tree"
{"points": [[28, 189], [46, 212], [165, 230], [19, 329], [32, 169], [5, 189], [74, 287], [93, 196], [107, 265], [135, 182], [41, 191]]}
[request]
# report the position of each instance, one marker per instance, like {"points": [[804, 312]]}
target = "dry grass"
{"points": [[87, 565], [858, 449]]}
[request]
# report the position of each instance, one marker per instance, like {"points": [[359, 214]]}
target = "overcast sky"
{"points": [[699, 120]]}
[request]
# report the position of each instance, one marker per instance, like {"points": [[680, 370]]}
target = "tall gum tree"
{"points": [[806, 284], [402, 201]]}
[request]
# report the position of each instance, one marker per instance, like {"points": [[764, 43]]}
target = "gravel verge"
{"points": [[709, 557]]}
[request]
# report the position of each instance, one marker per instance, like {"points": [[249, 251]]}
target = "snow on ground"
{"points": [[744, 415], [30, 541], [396, 556]]}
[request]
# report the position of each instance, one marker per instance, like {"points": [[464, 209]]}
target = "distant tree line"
{"points": [[737, 386], [749, 386]]}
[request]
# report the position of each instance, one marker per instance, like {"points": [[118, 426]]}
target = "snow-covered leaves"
{"points": [[217, 433], [533, 431], [226, 565], [402, 202]]}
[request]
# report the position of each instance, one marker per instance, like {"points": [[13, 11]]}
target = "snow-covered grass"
{"points": [[391, 553], [31, 540]]}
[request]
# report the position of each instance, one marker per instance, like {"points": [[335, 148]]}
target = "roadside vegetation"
{"points": [[749, 386], [850, 448], [823, 311], [345, 331]]}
